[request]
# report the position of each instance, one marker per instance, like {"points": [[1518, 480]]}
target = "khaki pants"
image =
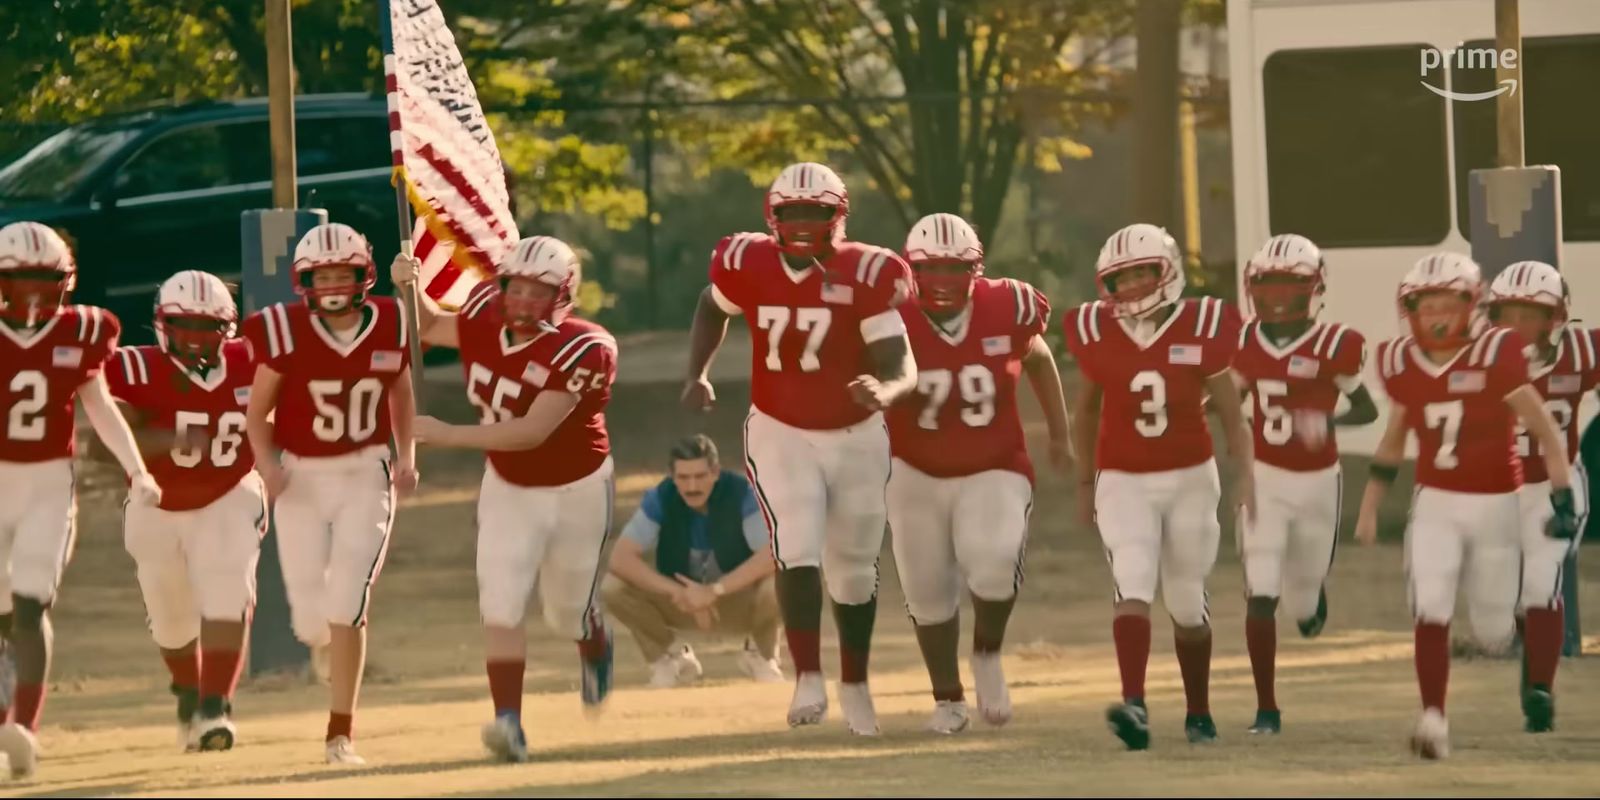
{"points": [[654, 620]]}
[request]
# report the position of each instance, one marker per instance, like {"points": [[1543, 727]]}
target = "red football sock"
{"points": [[1194, 661], [1543, 636], [29, 705], [219, 672], [340, 725], [1433, 663], [1131, 633], [1261, 639], [505, 685], [185, 668]]}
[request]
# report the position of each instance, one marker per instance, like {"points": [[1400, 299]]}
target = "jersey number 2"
{"points": [[25, 423]]}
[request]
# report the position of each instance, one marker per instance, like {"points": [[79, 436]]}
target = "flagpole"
{"points": [[408, 291]]}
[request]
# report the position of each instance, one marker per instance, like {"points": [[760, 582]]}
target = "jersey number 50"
{"points": [[356, 418]]}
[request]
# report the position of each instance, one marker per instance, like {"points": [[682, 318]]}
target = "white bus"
{"points": [[1335, 136]]}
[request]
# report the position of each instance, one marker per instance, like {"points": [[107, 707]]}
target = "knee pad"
{"points": [[1186, 603]]}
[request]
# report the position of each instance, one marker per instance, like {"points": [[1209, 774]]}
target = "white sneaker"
{"points": [[759, 668], [810, 703], [341, 750], [214, 734], [689, 669], [1431, 739], [188, 736], [989, 678], [21, 748], [505, 740], [949, 716], [855, 700], [664, 672]]}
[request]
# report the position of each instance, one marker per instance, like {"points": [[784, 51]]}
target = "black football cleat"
{"points": [[1267, 722], [1538, 710], [1200, 729], [1131, 723]]}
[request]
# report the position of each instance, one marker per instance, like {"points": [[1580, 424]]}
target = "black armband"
{"points": [[1385, 473]]}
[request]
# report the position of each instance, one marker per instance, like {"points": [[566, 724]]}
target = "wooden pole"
{"points": [[1508, 106], [280, 104]]}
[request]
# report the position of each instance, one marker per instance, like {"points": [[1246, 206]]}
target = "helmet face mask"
{"points": [[944, 285], [1284, 296], [1534, 322], [1138, 288], [335, 289], [30, 296], [527, 303], [194, 339], [1532, 298], [1441, 318]]}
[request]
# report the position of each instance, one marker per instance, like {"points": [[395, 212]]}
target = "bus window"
{"points": [[1556, 129], [1355, 148]]}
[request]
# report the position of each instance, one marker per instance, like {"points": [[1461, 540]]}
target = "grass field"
{"points": [[1349, 698]]}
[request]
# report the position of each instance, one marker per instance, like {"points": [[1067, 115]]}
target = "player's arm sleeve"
{"points": [[1349, 360], [1081, 327], [1032, 313], [1508, 364], [1219, 324], [884, 281], [727, 272], [266, 340]]}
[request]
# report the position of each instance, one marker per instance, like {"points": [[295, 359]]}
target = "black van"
{"points": [[144, 194]]}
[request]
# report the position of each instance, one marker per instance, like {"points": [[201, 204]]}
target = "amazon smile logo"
{"points": [[1464, 58]]}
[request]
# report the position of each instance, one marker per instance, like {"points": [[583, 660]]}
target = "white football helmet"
{"points": [[194, 315], [808, 184], [1532, 283], [549, 261], [935, 243], [1442, 272], [1139, 245], [37, 272], [1285, 279], [334, 244]]}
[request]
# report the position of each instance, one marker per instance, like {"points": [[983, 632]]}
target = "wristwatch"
{"points": [[718, 589]]}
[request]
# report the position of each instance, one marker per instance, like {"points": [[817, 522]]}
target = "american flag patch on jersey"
{"points": [[1302, 367], [241, 395], [1565, 384], [536, 375], [1467, 382], [1184, 354], [387, 361], [997, 346], [67, 357], [838, 293]]}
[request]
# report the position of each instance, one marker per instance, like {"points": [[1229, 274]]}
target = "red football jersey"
{"points": [[1304, 375], [1465, 430], [577, 357], [809, 329], [1562, 383], [334, 397], [963, 418], [1152, 412], [40, 372], [175, 399]]}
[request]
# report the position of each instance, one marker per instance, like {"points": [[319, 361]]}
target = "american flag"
{"points": [[444, 153]]}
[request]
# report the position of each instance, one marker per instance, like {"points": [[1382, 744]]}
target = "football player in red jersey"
{"points": [[961, 489], [50, 354], [1531, 298], [1148, 360], [1297, 367], [541, 378], [336, 371], [1460, 386], [830, 353], [196, 552]]}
